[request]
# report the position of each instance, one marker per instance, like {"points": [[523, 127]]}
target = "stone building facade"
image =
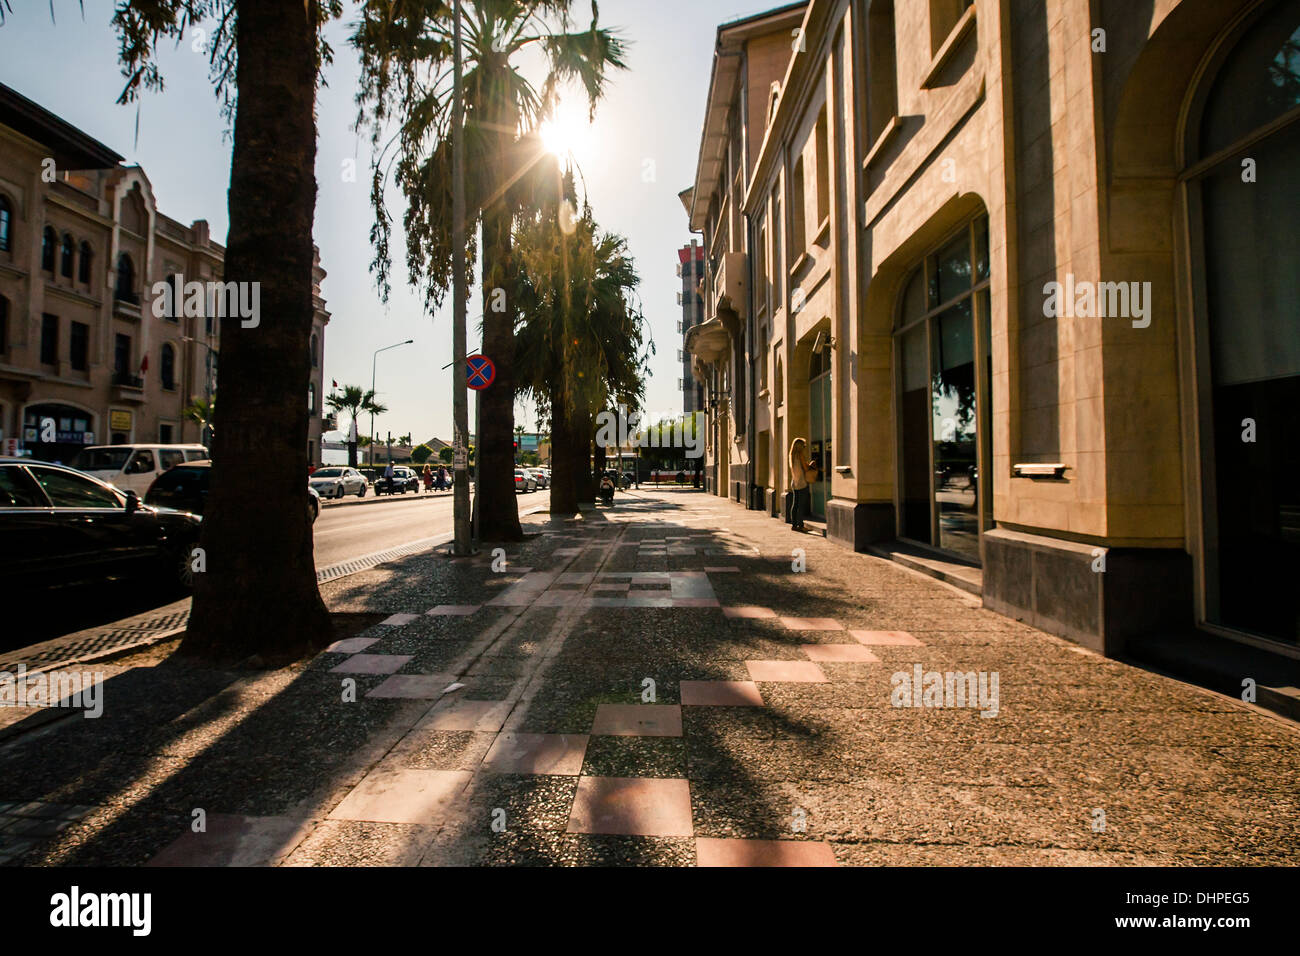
{"points": [[690, 269], [1016, 272], [82, 246]]}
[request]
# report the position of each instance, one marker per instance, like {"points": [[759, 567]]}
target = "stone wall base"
{"points": [[1057, 586], [857, 524]]}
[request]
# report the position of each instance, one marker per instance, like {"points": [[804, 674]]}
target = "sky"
{"points": [[635, 158]]}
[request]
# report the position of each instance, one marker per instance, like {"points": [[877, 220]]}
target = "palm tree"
{"points": [[407, 76], [580, 340], [355, 401], [258, 599], [201, 411]]}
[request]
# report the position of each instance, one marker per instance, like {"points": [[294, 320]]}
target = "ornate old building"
{"points": [[82, 247]]}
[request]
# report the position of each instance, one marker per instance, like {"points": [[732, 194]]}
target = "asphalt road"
{"points": [[341, 532]]}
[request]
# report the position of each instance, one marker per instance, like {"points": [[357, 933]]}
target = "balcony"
{"points": [[126, 304], [128, 388], [731, 285]]}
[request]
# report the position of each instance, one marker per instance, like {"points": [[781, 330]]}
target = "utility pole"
{"points": [[459, 400]]}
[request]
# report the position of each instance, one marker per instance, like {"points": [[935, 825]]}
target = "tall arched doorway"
{"points": [[56, 432], [1243, 161], [941, 336]]}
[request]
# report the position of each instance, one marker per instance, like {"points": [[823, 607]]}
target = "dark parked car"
{"points": [[403, 480], [60, 528], [185, 488]]}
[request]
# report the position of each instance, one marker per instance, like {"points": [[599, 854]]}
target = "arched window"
{"points": [[49, 241], [167, 367], [67, 250], [83, 263], [6, 223], [125, 289]]}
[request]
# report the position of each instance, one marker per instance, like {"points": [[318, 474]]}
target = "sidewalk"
{"points": [[655, 684]]}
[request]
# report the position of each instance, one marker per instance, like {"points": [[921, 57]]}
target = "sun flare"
{"points": [[567, 134]]}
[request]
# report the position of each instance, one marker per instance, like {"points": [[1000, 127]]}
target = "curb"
{"points": [[324, 575]]}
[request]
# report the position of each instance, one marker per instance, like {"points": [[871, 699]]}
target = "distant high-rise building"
{"points": [[690, 266]]}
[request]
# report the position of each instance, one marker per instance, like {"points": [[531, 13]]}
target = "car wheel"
{"points": [[313, 510], [362, 492], [181, 565]]}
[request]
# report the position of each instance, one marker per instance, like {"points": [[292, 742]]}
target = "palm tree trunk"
{"points": [[564, 475], [258, 595], [581, 426], [498, 510]]}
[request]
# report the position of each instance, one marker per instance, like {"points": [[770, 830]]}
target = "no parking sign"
{"points": [[479, 372]]}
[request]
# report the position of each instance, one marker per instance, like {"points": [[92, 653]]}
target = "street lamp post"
{"points": [[374, 365]]}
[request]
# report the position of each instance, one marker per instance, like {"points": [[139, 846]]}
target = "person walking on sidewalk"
{"points": [[800, 471], [427, 477]]}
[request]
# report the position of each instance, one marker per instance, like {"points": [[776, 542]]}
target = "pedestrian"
{"points": [[442, 478], [427, 475], [802, 471]]}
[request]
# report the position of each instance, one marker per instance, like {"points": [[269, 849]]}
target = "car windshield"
{"points": [[328, 473], [101, 459]]}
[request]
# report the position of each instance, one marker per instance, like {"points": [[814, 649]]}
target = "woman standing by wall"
{"points": [[799, 469]]}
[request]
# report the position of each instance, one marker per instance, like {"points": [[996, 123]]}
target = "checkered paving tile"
{"points": [[839, 653], [453, 610], [414, 686], [352, 645], [633, 806], [711, 851], [885, 638], [372, 664], [721, 693], [801, 672], [556, 754], [749, 612], [811, 623], [403, 796], [638, 720]]}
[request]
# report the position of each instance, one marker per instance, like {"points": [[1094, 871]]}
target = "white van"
{"points": [[134, 467]]}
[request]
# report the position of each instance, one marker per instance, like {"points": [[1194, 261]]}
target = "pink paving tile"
{"points": [[633, 806], [559, 754], [372, 664], [727, 570], [638, 720], [413, 686], [399, 620], [796, 672], [710, 851], [484, 716], [453, 610], [839, 653], [749, 611], [620, 586], [812, 624], [721, 693], [351, 645], [885, 638], [403, 796], [233, 840], [695, 602]]}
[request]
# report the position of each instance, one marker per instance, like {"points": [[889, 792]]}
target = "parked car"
{"points": [[63, 528], [336, 482], [540, 477], [403, 480], [185, 488], [524, 482], [134, 467]]}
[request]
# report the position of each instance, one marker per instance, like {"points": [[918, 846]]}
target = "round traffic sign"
{"points": [[479, 372]]}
